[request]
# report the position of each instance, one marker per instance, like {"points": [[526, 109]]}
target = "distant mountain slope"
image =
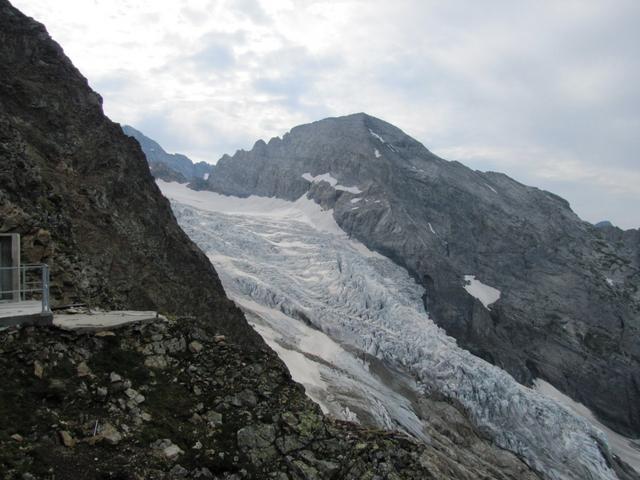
{"points": [[509, 270], [168, 166]]}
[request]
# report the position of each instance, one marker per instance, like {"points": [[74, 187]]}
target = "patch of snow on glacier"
{"points": [[484, 293], [377, 153], [304, 273]]}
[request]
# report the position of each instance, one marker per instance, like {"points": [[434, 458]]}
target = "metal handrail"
{"points": [[28, 287]]}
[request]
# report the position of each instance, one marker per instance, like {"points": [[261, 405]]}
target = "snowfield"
{"points": [[344, 318]]}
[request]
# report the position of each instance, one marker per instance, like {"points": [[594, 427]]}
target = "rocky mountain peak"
{"points": [[356, 151]]}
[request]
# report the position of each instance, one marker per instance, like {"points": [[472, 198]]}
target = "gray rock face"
{"points": [[171, 167], [569, 304]]}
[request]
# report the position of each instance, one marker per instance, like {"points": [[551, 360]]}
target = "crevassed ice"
{"points": [[287, 270], [626, 448]]}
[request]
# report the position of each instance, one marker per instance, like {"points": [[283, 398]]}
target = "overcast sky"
{"points": [[547, 91]]}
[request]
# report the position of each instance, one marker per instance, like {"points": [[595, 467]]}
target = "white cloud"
{"points": [[545, 91]]}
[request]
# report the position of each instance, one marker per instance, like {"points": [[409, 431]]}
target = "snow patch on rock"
{"points": [[484, 293], [491, 188], [375, 135], [326, 177]]}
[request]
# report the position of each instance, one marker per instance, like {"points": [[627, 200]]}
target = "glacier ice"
{"points": [[315, 294]]}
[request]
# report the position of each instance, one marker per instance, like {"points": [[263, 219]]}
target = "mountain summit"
{"points": [[509, 270]]}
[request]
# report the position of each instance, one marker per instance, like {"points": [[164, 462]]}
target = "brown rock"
{"points": [[83, 369], [38, 369], [66, 439]]}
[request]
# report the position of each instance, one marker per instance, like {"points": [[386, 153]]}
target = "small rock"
{"points": [[214, 418], [102, 391], [134, 395], [172, 452], [83, 369], [145, 416], [114, 377], [156, 361], [105, 333], [66, 438], [110, 434], [260, 436], [195, 347], [204, 472], [197, 446], [178, 472], [219, 338], [38, 369], [17, 437], [248, 398]]}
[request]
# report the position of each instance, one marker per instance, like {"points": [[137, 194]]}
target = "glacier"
{"points": [[337, 314]]}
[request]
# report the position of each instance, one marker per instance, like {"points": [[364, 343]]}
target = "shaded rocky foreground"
{"points": [[174, 400]]}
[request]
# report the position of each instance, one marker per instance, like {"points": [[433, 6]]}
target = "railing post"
{"points": [[23, 276], [45, 289]]}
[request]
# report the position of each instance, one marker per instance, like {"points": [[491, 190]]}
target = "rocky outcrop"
{"points": [[557, 315], [168, 400], [170, 167], [627, 246]]}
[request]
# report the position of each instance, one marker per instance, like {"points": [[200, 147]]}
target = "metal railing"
{"points": [[25, 283]]}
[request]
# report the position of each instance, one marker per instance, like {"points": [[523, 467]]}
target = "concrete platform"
{"points": [[97, 321], [23, 313]]}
